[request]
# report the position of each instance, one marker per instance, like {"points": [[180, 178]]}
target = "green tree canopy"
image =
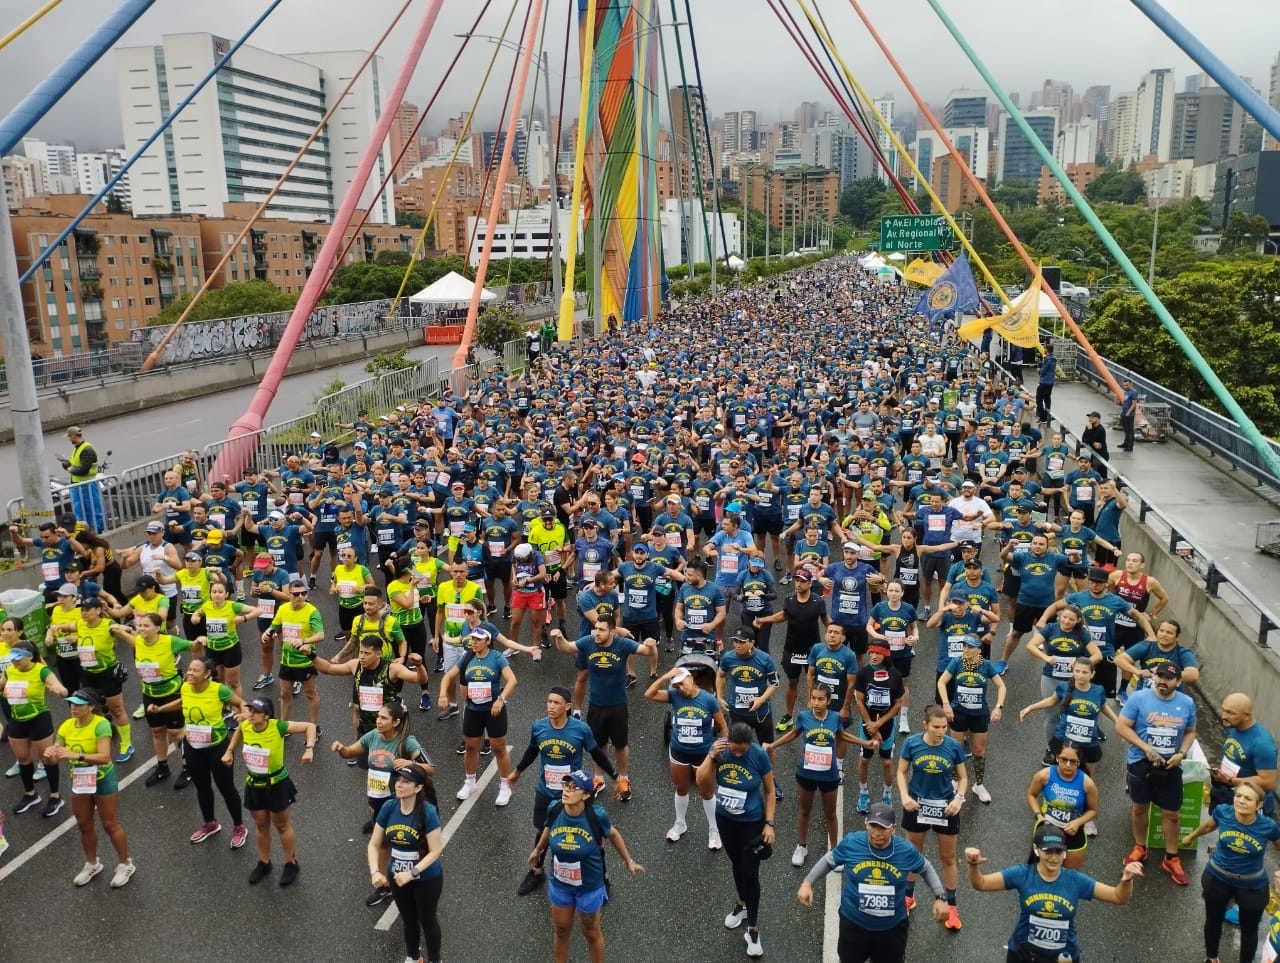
{"points": [[230, 301], [1113, 184]]}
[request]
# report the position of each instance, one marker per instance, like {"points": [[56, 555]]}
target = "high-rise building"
{"points": [[1273, 98], [237, 136], [24, 178], [688, 117], [1154, 123], [1057, 94], [731, 132], [965, 108], [1207, 125], [807, 115], [404, 131], [95, 169], [59, 161], [884, 106], [1122, 129], [748, 134], [1249, 185], [1077, 143], [973, 142], [1016, 158], [836, 148]]}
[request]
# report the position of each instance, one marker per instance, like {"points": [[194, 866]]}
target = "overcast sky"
{"points": [[747, 60]]}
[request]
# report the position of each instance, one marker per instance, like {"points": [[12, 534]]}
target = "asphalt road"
{"points": [[193, 902]]}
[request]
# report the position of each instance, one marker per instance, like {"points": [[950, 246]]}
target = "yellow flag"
{"points": [[1020, 325], [923, 272]]}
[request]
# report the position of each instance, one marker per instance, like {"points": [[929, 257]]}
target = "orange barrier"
{"points": [[443, 334]]}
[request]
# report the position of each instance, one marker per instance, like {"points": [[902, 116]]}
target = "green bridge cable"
{"points": [[1256, 438]]}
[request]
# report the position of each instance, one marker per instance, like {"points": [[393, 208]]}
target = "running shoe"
{"points": [[462, 748], [28, 803], [125, 756], [904, 724], [264, 681], [530, 882], [485, 748], [597, 783], [183, 780], [158, 775], [468, 787], [1173, 866], [713, 840], [925, 612], [676, 831], [622, 789], [754, 946], [1048, 759], [786, 579], [53, 807], [504, 793], [864, 802], [124, 872], [886, 797], [205, 831], [447, 714], [297, 688], [799, 855], [379, 895], [289, 873], [506, 613], [983, 795], [671, 645], [424, 702], [953, 918], [784, 724], [1137, 855], [260, 872], [140, 712], [735, 917], [631, 681], [13, 770], [1001, 667], [87, 873], [777, 791], [311, 584], [777, 565], [1091, 828], [239, 836]]}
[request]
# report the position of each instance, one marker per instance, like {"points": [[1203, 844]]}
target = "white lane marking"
{"points": [[68, 824], [831, 913], [389, 917]]}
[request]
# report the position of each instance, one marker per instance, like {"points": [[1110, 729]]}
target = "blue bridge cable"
{"points": [[49, 91], [1213, 65], [164, 125]]}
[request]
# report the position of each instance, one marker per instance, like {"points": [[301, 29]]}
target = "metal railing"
{"points": [[129, 496], [1218, 582], [1197, 424]]}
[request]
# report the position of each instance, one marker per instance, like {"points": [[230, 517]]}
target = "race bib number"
{"points": [[689, 731], [729, 563], [455, 612], [215, 627], [1055, 463], [1084, 493], [969, 697], [378, 784], [444, 479], [267, 605], [455, 528], [347, 590], [480, 693], [590, 570], [877, 697], [1062, 667], [1047, 934], [703, 502], [84, 780], [257, 759], [673, 539], [732, 801], [932, 812], [849, 605], [191, 593], [875, 899], [291, 632], [897, 641], [1163, 739], [553, 776], [1228, 767], [50, 571], [1081, 730], [753, 603], [937, 523], [818, 758], [15, 693], [639, 598], [295, 498], [799, 658], [743, 697], [88, 656], [566, 873], [370, 697], [696, 618], [149, 671], [955, 646], [497, 548], [199, 737], [403, 860]]}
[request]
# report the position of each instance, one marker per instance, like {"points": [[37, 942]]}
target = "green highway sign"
{"points": [[915, 232]]}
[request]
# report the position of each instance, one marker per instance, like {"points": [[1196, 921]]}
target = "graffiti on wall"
{"points": [[203, 340]]}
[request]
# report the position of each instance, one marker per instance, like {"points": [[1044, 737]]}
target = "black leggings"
{"points": [[667, 614], [881, 946], [1217, 897], [415, 637], [735, 835], [205, 767], [417, 904]]}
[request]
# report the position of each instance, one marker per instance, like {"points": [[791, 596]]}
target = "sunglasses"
{"points": [[299, 595]]}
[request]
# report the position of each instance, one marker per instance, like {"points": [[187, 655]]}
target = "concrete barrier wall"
{"points": [[91, 401], [1230, 657]]}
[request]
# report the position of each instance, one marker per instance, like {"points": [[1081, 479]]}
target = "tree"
{"points": [[1227, 311], [1015, 194], [115, 204], [496, 326], [230, 301], [414, 220], [1243, 232], [1120, 187], [863, 201], [393, 258]]}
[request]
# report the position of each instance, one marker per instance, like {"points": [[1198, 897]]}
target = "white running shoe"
{"points": [[713, 840], [904, 725], [754, 946], [124, 872], [676, 831], [89, 871], [735, 918], [1091, 828], [799, 855], [504, 793], [981, 792], [468, 787]]}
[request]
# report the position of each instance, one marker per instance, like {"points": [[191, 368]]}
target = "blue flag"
{"points": [[954, 291]]}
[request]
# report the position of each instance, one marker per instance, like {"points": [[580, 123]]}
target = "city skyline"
{"points": [[1121, 46]]}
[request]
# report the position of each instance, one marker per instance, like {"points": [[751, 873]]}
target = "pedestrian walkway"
{"points": [[1214, 508]]}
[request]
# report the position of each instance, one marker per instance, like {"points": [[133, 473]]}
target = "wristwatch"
{"points": [[768, 822]]}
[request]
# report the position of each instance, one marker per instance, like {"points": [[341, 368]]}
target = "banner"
{"points": [[953, 291], [923, 272], [1020, 325]]}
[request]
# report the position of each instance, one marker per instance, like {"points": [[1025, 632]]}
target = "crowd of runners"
{"points": [[644, 509]]}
